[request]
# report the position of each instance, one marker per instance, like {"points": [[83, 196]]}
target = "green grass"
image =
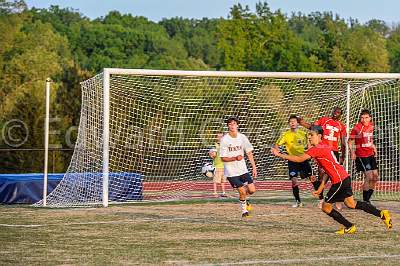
{"points": [[195, 232]]}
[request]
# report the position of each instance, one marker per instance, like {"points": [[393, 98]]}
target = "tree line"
{"points": [[68, 47]]}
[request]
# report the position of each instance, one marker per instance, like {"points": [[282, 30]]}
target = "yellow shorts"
{"points": [[219, 176]]}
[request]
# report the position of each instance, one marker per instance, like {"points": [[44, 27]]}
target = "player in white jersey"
{"points": [[233, 147]]}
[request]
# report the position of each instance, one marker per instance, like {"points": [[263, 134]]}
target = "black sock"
{"points": [[321, 196], [296, 193], [338, 217], [361, 205], [370, 192], [365, 195], [316, 186]]}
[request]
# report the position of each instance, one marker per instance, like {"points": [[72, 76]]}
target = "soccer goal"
{"points": [[144, 134]]}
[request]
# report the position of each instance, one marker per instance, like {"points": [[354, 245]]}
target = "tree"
{"points": [[378, 26], [261, 42], [197, 36], [364, 50], [393, 47], [9, 7], [35, 53]]}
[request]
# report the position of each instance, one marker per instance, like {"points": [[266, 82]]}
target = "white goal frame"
{"points": [[108, 72]]}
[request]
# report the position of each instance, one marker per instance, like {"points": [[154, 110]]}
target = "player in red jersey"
{"points": [[334, 130], [365, 153], [340, 190]]}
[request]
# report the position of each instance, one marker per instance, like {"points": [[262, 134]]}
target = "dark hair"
{"points": [[293, 117], [365, 112], [337, 108], [232, 118], [317, 129]]}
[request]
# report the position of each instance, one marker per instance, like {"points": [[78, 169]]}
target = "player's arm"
{"points": [[343, 148], [303, 123], [281, 141], [252, 162], [292, 158], [375, 150], [224, 154], [350, 143], [248, 148], [232, 159], [321, 186]]}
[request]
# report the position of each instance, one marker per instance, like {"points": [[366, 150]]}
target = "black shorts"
{"points": [[239, 181], [302, 169], [364, 164], [339, 191]]}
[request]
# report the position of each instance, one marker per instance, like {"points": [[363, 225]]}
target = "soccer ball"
{"points": [[208, 170]]}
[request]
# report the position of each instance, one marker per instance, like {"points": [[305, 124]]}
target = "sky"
{"points": [[155, 10]]}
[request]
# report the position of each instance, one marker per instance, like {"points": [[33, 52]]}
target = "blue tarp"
{"points": [[125, 186], [25, 188], [28, 188]]}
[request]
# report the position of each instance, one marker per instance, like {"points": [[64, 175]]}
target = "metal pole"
{"points": [[106, 134], [347, 125], [46, 141]]}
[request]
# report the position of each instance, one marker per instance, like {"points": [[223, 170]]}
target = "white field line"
{"points": [[135, 220], [21, 225], [303, 260], [59, 210]]}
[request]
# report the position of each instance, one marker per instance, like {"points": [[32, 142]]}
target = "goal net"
{"points": [[145, 134]]}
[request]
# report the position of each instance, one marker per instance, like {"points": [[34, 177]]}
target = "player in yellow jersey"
{"points": [[219, 177], [295, 142]]}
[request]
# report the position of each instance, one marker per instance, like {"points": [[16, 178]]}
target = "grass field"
{"points": [[194, 233]]}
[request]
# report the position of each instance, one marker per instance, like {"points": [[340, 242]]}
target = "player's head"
{"points": [[365, 117], [293, 121], [337, 113], [232, 123], [315, 135]]}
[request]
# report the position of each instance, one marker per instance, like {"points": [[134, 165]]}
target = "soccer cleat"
{"points": [[298, 205], [385, 216], [246, 215], [343, 231], [249, 207], [340, 231]]}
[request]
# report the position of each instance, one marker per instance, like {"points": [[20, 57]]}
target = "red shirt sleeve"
{"points": [[313, 152], [319, 121]]}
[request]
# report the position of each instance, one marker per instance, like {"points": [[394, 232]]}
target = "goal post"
{"points": [[106, 134], [144, 134]]}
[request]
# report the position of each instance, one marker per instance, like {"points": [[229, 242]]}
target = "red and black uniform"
{"points": [[333, 131], [365, 154], [341, 182]]}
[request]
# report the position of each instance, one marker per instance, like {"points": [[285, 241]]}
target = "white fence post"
{"points": [[46, 141]]}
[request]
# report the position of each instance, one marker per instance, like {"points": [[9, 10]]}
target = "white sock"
{"points": [[243, 206]]}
